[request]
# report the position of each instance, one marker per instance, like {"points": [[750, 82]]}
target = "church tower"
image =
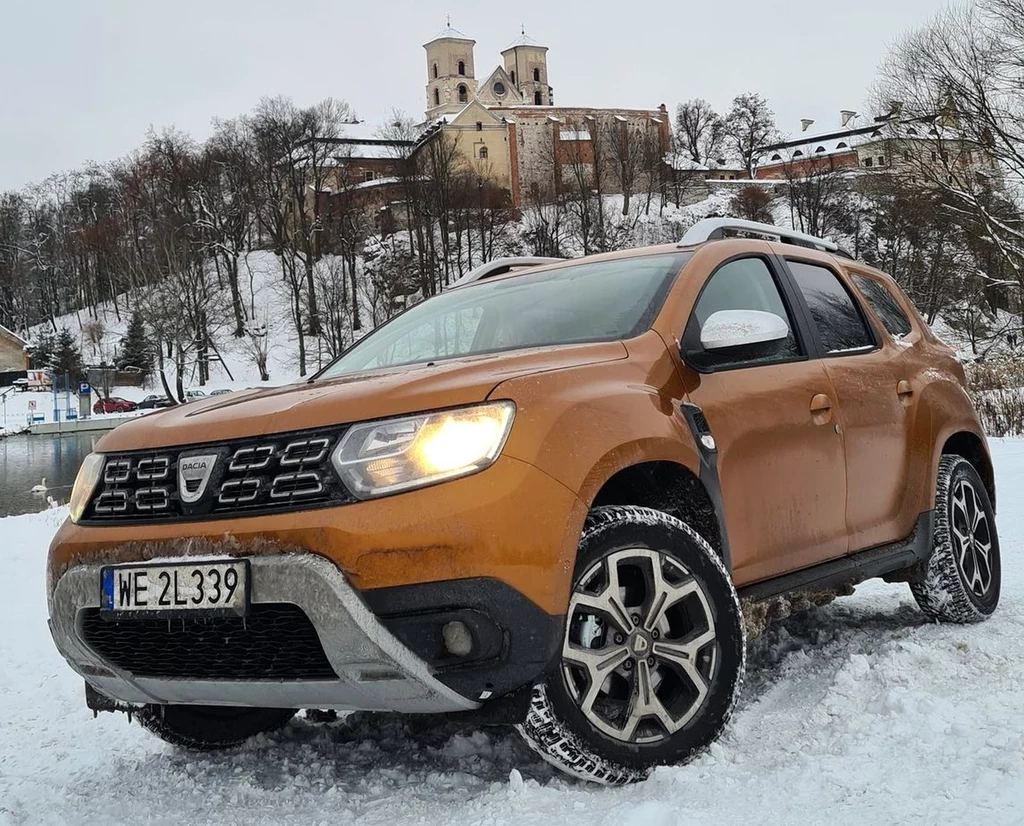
{"points": [[451, 75], [526, 62]]}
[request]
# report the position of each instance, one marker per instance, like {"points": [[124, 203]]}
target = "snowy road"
{"points": [[858, 713]]}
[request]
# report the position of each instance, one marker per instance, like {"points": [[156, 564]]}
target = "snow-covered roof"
{"points": [[12, 334], [684, 163], [451, 33], [359, 129], [523, 40], [574, 135]]}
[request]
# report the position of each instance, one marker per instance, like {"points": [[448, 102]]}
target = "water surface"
{"points": [[25, 460]]}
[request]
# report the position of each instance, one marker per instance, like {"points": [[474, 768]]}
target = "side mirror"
{"points": [[741, 328]]}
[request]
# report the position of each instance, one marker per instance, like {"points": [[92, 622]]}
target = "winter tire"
{"points": [[961, 580], [652, 656], [208, 728]]}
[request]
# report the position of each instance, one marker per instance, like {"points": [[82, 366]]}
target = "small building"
{"points": [[13, 357]]}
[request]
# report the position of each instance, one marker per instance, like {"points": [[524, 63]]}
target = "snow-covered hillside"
{"points": [[861, 712], [267, 300]]}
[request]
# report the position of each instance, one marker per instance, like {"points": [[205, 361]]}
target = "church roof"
{"points": [[451, 33], [523, 40]]}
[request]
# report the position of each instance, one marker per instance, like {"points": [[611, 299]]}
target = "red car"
{"points": [[114, 404]]}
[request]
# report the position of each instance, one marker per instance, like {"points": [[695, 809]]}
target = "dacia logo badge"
{"points": [[194, 473]]}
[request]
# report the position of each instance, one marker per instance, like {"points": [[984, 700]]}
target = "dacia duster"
{"points": [[538, 499]]}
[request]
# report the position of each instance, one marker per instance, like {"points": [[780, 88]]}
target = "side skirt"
{"points": [[849, 570]]}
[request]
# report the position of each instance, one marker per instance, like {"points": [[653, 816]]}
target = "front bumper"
{"points": [[375, 672]]}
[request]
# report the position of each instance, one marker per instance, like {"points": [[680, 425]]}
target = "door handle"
{"points": [[904, 390], [821, 409]]}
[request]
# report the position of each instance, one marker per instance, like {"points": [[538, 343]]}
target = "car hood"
{"points": [[359, 397]]}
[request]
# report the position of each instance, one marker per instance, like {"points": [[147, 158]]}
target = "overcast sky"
{"points": [[84, 79]]}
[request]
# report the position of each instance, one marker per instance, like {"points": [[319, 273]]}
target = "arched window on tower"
{"points": [[437, 97], [463, 94], [536, 75], [483, 153], [435, 71], [462, 68], [537, 99]]}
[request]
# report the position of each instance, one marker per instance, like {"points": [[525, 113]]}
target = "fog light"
{"points": [[457, 638]]}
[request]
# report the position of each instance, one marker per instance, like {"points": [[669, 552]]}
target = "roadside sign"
{"points": [[84, 389], [31, 404]]}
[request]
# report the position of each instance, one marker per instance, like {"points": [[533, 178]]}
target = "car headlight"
{"points": [[392, 455], [85, 483]]}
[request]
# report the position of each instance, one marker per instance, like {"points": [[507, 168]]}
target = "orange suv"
{"points": [[535, 499]]}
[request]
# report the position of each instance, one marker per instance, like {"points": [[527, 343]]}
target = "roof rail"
{"points": [[713, 229], [500, 266]]}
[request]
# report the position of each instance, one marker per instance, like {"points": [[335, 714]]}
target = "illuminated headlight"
{"points": [[378, 458], [85, 483]]}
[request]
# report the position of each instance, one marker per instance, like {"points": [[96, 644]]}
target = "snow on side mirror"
{"points": [[740, 328]]}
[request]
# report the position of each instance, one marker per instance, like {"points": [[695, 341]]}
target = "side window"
{"points": [[840, 324], [743, 284], [884, 304]]}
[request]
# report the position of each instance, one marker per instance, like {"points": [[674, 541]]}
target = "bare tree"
{"points": [[820, 196], [752, 203], [956, 83], [228, 203], [627, 156], [699, 131], [749, 127]]}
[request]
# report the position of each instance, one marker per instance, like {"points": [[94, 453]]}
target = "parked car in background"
{"points": [[21, 385], [153, 402], [192, 395], [222, 392], [114, 404]]}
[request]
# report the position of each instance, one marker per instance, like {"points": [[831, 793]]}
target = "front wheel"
{"points": [[652, 656], [961, 580], [209, 728]]}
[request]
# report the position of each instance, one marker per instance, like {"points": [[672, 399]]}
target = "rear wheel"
{"points": [[652, 655], [208, 728], [961, 580]]}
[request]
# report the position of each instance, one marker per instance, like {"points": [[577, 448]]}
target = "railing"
{"points": [[712, 229]]}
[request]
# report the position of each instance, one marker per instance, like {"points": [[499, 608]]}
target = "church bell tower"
{"points": [[526, 62], [451, 74]]}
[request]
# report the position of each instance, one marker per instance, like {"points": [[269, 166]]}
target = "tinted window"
{"points": [[835, 314], [884, 304], [598, 301], [743, 284]]}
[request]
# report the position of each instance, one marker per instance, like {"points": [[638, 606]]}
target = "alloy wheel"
{"points": [[972, 538], [640, 650]]}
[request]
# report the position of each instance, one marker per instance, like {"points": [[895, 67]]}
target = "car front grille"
{"points": [[275, 642], [290, 471]]}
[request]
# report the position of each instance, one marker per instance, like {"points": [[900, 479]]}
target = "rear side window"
{"points": [[840, 324], [884, 304]]}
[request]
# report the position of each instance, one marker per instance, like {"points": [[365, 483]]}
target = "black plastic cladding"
{"points": [[266, 460]]}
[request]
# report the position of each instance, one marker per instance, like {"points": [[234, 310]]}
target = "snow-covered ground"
{"points": [[861, 712]]}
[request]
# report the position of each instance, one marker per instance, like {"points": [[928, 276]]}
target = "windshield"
{"points": [[596, 301]]}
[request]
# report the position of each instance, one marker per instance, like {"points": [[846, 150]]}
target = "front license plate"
{"points": [[192, 588]]}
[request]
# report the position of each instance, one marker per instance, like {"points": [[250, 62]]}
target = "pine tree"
{"points": [[41, 351], [67, 357], [136, 349]]}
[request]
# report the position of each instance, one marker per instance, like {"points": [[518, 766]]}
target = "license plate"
{"points": [[169, 590]]}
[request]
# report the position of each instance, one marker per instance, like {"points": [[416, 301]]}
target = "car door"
{"points": [[869, 374], [780, 459]]}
